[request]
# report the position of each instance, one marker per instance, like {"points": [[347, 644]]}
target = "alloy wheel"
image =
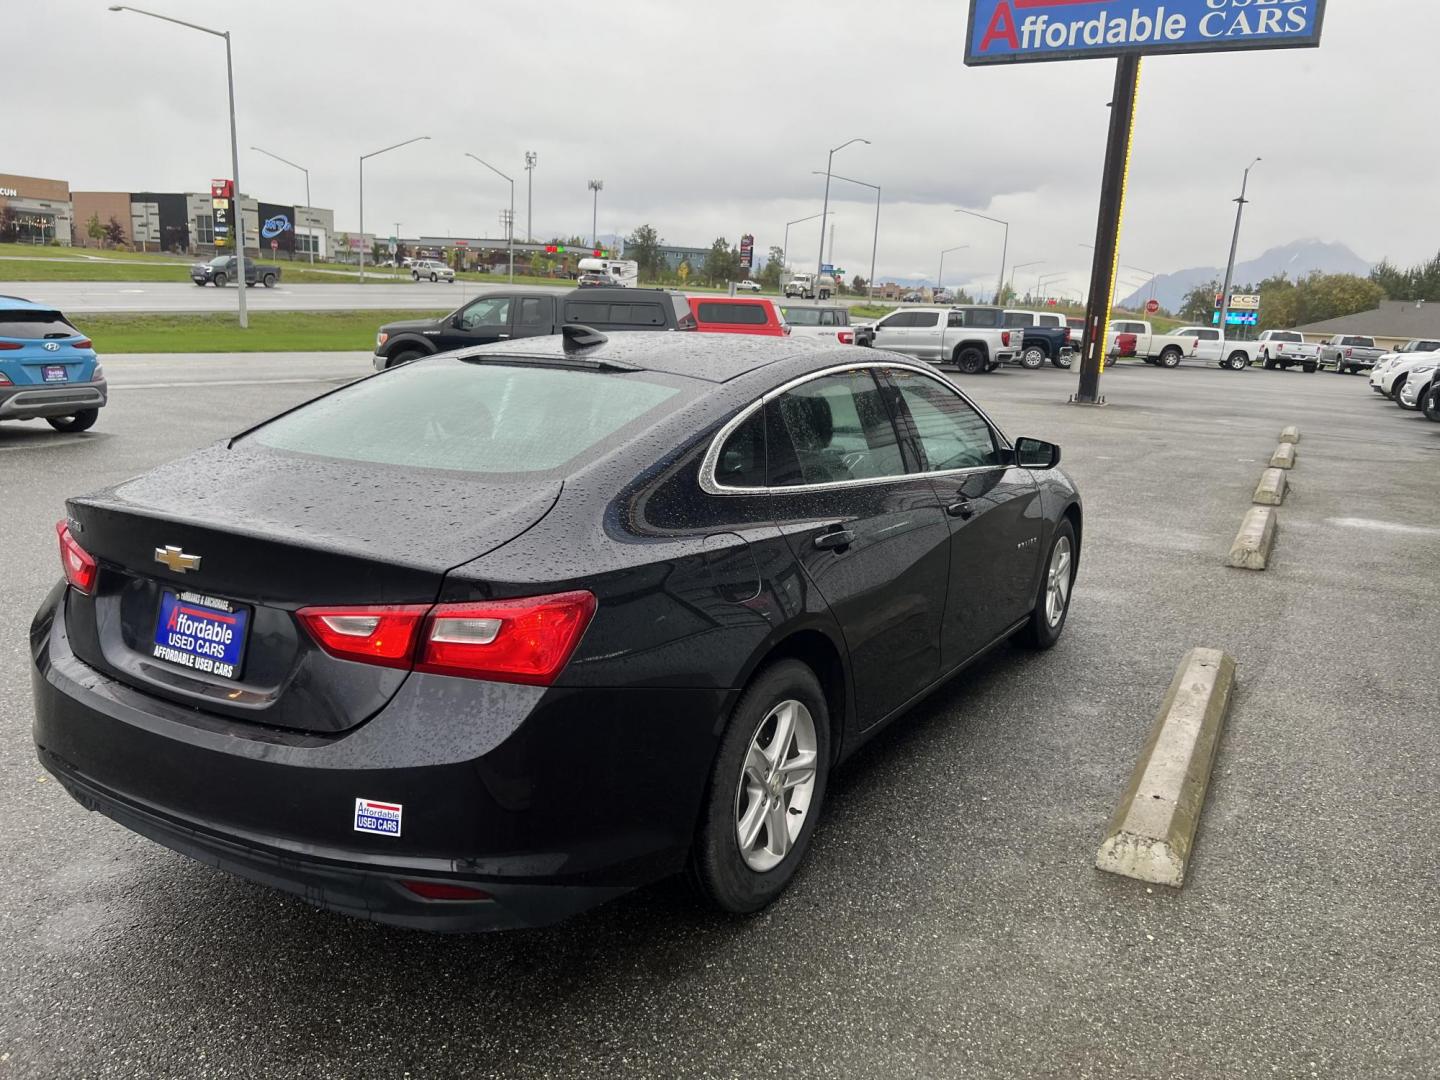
{"points": [[1057, 582], [777, 781]]}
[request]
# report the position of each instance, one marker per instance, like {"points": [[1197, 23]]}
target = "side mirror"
{"points": [[1036, 454]]}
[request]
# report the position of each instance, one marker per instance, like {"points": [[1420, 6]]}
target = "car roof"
{"points": [[19, 303], [729, 299], [715, 358]]}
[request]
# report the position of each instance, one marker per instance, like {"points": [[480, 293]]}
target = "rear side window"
{"points": [[604, 313], [924, 318], [799, 316], [1049, 320], [1015, 319], [35, 325], [470, 417], [734, 314], [829, 430], [1208, 335], [982, 317], [534, 311], [741, 463]]}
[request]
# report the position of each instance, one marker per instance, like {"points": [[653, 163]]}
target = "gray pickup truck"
{"points": [[1350, 353], [972, 339]]}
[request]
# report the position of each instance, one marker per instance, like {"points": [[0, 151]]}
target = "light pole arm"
{"points": [[170, 19]]}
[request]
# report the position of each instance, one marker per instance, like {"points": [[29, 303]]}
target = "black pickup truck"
{"points": [[505, 314], [1047, 337]]}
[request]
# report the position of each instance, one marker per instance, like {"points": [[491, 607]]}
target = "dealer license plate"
{"points": [[54, 373], [201, 632]]}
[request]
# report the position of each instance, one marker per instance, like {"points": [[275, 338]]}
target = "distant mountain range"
{"points": [[1295, 259]]}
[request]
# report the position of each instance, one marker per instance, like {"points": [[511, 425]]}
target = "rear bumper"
{"points": [[53, 399], [537, 797]]}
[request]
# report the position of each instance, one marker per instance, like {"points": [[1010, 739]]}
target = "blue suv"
{"points": [[48, 368]]}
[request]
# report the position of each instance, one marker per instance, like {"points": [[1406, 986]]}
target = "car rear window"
{"points": [[1363, 342], [799, 316], [603, 313], [734, 314], [473, 417], [35, 325], [1281, 335], [983, 317]]}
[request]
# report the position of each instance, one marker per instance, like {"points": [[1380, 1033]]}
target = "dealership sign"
{"points": [[1011, 31]]}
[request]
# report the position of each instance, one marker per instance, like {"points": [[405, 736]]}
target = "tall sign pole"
{"points": [[1107, 229], [1234, 247]]}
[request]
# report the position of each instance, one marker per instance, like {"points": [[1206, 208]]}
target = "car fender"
{"points": [[408, 340]]}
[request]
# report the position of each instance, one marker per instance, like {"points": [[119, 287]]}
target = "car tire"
{"points": [[220, 281], [404, 358], [1430, 404], [1032, 358], [1057, 584], [1310, 369], [1267, 363], [434, 278], [1062, 361], [415, 274], [200, 283], [1394, 392], [268, 281], [970, 360], [1237, 361], [83, 420], [1170, 358], [739, 878]]}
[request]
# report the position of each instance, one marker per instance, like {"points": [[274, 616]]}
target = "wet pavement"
{"points": [[949, 921]]}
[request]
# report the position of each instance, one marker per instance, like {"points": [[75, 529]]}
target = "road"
{"points": [[949, 921], [88, 297]]}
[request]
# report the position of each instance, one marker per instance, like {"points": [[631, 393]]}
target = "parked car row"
{"points": [[1410, 377], [976, 338]]}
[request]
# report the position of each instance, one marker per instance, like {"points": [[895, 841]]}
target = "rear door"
{"points": [[868, 532], [1210, 344], [927, 336], [534, 316], [991, 507]]}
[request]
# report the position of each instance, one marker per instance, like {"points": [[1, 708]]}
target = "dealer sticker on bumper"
{"points": [[377, 817]]}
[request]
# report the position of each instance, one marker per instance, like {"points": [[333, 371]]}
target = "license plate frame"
{"points": [[53, 373], [205, 635]]}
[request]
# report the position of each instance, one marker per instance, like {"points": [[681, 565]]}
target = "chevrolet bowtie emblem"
{"points": [[176, 559]]}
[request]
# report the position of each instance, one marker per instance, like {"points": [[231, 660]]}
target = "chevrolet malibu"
{"points": [[487, 639]]}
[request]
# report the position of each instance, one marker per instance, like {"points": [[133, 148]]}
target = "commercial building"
{"points": [[1393, 323], [40, 211], [35, 210]]}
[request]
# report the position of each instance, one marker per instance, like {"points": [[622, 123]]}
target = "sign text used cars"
{"points": [[1010, 31]]}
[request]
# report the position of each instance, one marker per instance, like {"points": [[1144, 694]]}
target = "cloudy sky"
{"points": [[708, 119]]}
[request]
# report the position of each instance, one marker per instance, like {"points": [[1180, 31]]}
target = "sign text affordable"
{"points": [[1010, 31]]}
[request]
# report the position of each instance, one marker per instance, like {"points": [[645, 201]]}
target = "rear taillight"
{"points": [[1349, 353], [11, 345], [523, 641], [79, 565], [83, 343], [1067, 335], [1004, 337], [785, 328], [847, 337], [5, 381], [382, 634]]}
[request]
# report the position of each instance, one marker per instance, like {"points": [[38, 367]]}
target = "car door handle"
{"points": [[500, 336], [961, 509], [838, 540]]}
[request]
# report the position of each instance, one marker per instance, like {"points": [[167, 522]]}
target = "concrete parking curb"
{"points": [[1152, 833], [1271, 489], [1255, 540], [1290, 435], [1284, 456]]}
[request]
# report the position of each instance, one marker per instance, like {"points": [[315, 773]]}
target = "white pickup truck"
{"points": [[1203, 343], [1286, 349], [944, 335]]}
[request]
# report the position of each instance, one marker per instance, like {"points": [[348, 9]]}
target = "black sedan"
{"points": [[487, 639]]}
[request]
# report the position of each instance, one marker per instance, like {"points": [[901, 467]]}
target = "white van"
{"points": [[622, 272]]}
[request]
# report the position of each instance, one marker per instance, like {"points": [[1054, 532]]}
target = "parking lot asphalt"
{"points": [[949, 921]]}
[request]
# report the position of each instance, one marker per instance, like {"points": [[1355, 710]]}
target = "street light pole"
{"points": [[510, 228], [596, 186], [530, 159], [1004, 249], [234, 147], [825, 208], [875, 240], [1234, 245], [1022, 266], [375, 153], [940, 276], [308, 231]]}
